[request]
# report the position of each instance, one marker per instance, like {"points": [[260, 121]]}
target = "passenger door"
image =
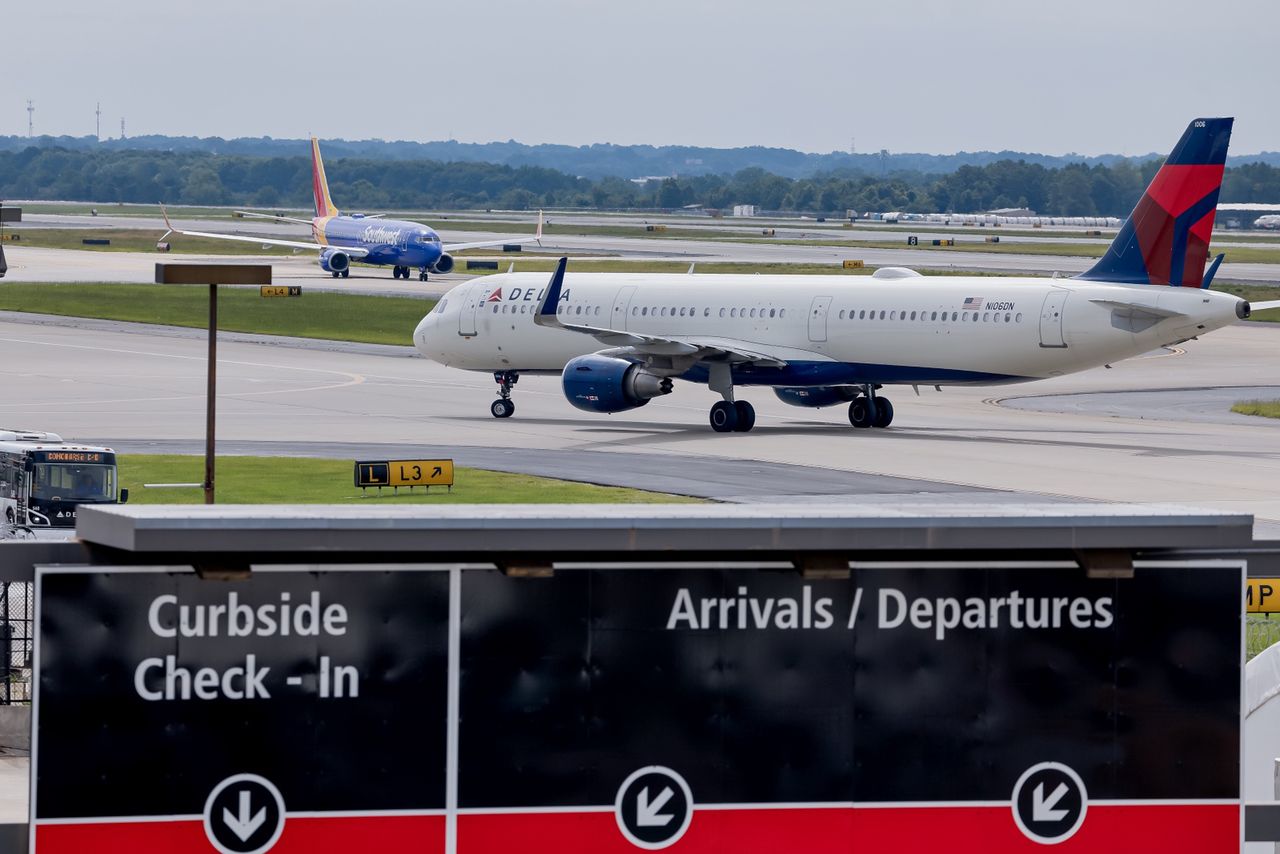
{"points": [[470, 308], [621, 305], [1051, 318], [818, 318]]}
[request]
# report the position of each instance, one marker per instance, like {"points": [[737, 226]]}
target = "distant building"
{"points": [[744, 210]]}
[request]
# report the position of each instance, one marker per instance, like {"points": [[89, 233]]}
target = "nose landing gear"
{"points": [[504, 406]]}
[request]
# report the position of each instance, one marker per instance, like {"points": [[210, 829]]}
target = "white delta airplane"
{"points": [[619, 340]]}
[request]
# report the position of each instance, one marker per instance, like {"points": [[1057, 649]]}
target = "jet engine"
{"points": [[606, 384], [334, 260], [816, 396], [443, 264]]}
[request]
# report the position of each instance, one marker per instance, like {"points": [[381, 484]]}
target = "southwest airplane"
{"points": [[343, 238], [619, 341]]}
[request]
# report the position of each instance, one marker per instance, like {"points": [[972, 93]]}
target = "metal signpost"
{"points": [[212, 275]]}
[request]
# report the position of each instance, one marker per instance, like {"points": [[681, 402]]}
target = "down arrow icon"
{"points": [[243, 826], [244, 814]]}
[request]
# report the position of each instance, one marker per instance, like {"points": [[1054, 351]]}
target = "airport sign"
{"points": [[295, 708], [969, 707], [280, 291], [1262, 596], [397, 473]]}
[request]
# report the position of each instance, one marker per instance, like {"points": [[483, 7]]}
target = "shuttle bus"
{"points": [[43, 479]]}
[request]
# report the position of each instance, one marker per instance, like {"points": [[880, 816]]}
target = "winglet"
{"points": [[167, 224], [537, 235], [1213, 269], [545, 314]]}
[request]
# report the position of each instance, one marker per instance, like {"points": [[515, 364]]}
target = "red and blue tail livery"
{"points": [[1165, 241]]}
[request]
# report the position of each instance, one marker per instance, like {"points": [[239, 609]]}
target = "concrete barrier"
{"points": [[15, 727]]}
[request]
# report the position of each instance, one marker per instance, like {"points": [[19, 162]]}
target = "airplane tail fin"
{"points": [[1165, 241], [320, 184]]}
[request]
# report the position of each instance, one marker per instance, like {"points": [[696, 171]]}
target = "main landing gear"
{"points": [[728, 415], [346, 274], [870, 410], [732, 416], [402, 273], [504, 406]]}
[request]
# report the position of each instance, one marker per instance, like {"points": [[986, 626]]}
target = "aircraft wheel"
{"points": [[346, 274], [422, 277], [884, 412], [860, 413], [746, 416], [724, 417], [336, 274], [502, 408]]}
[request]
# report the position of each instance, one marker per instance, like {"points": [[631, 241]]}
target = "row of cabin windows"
{"points": [[647, 311], [852, 314], [935, 316]]}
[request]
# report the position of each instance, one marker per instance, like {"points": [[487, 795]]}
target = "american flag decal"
{"points": [[972, 304]]}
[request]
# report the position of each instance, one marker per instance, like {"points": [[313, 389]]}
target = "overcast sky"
{"points": [[1089, 76]]}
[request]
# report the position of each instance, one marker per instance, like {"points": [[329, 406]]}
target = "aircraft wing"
{"points": [[261, 241], [273, 217], [458, 247], [1263, 306], [694, 347]]}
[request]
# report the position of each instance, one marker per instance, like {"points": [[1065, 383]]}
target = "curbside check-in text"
{"points": [[164, 678]]}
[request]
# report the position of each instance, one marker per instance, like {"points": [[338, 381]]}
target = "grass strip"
{"points": [[332, 316], [1264, 408], [305, 480]]}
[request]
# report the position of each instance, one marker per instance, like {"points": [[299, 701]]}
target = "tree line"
{"points": [[200, 178]]}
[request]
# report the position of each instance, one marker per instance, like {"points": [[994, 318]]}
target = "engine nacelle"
{"points": [[816, 396], [443, 264], [334, 260], [604, 384]]}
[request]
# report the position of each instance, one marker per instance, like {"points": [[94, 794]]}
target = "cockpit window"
{"points": [[429, 237]]}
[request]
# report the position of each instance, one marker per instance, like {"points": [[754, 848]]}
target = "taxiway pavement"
{"points": [[132, 384]]}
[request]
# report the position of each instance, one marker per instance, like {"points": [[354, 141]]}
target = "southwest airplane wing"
{"points": [[537, 238], [695, 346], [354, 252], [272, 217]]}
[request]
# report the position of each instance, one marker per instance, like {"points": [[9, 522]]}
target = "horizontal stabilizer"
{"points": [[1138, 308]]}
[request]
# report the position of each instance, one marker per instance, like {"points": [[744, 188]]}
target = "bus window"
{"points": [[73, 483]]}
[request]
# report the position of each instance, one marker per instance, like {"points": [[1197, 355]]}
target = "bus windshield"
{"points": [[73, 482]]}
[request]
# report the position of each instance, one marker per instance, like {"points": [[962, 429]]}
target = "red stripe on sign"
{"points": [[1204, 829], [420, 834], [391, 834], [122, 837]]}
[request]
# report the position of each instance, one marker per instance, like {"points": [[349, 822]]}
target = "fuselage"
{"points": [[829, 330], [388, 241]]}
